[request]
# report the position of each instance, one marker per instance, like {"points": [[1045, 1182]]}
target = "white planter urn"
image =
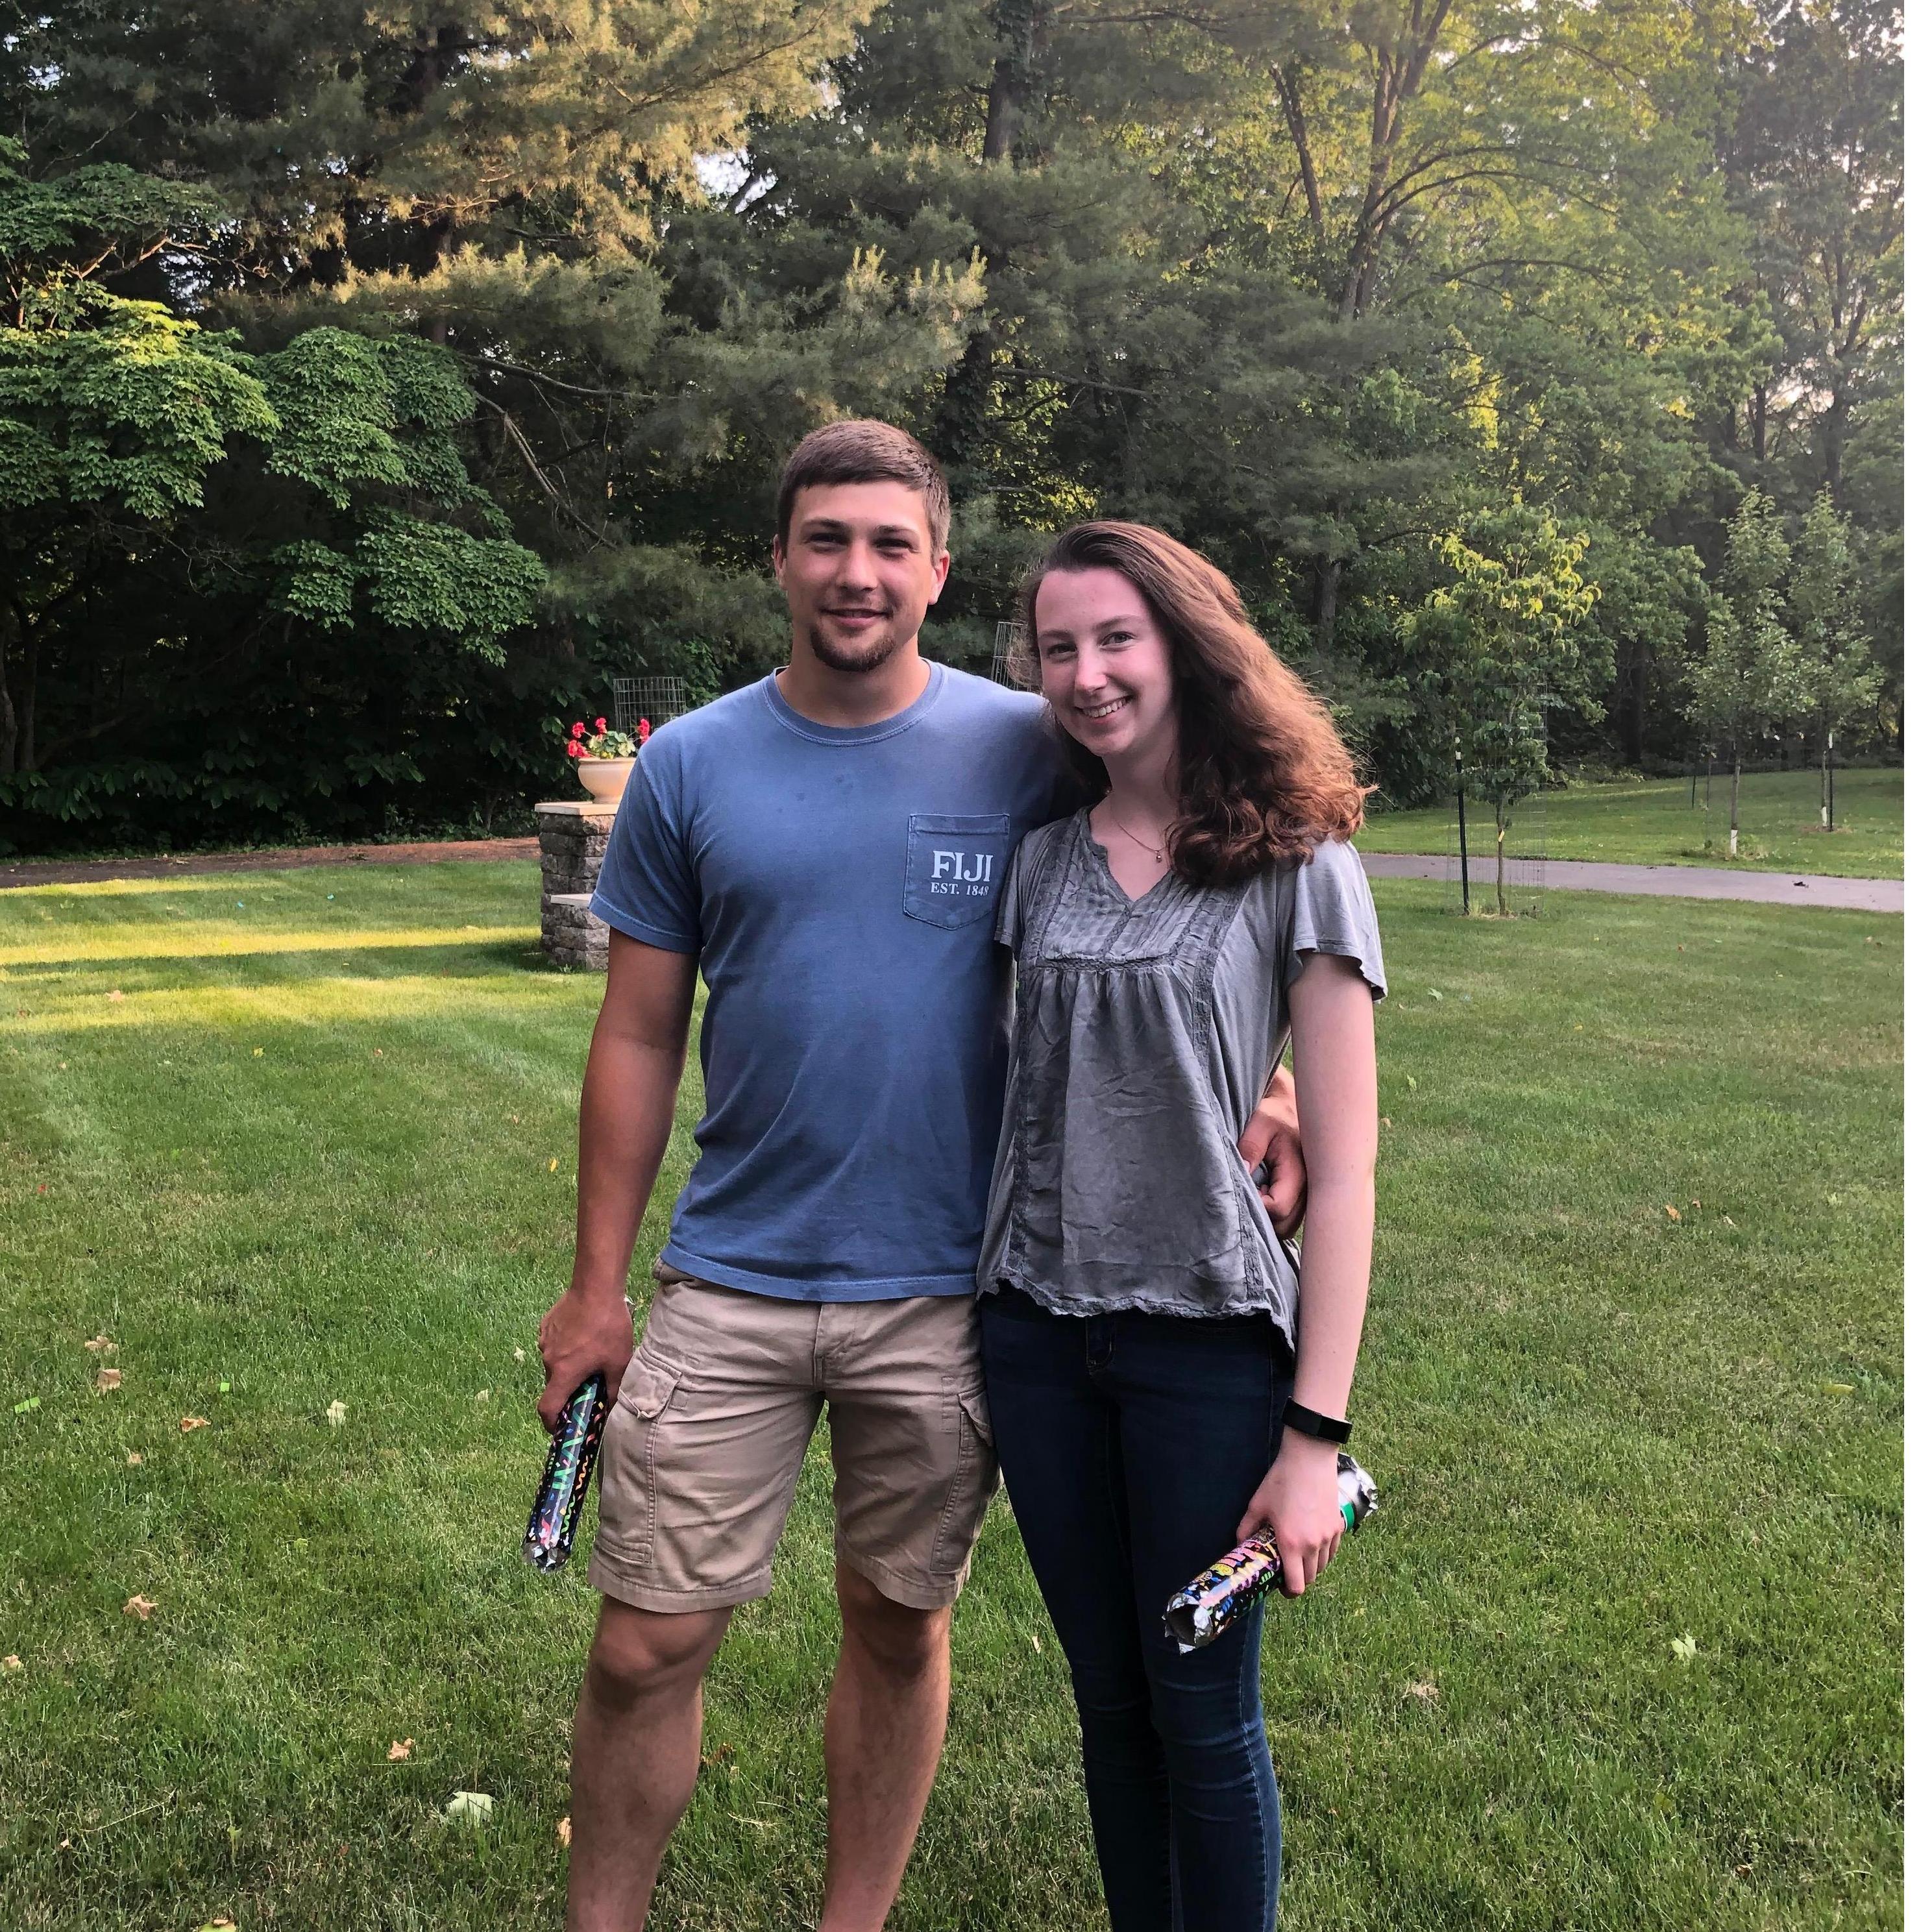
{"points": [[604, 779]]}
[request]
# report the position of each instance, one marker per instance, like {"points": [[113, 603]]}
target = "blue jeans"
{"points": [[1132, 1443]]}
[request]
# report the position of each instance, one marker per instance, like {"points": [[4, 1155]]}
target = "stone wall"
{"points": [[570, 838]]}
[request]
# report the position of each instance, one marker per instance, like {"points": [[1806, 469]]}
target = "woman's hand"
{"points": [[1298, 1500]]}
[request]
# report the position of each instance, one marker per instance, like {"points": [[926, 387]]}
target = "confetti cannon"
{"points": [[1225, 1592], [566, 1476]]}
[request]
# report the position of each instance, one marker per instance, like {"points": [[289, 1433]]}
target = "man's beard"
{"points": [[856, 660]]}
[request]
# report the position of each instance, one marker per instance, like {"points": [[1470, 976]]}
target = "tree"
{"points": [[1834, 653], [1750, 678], [187, 522], [1501, 643]]}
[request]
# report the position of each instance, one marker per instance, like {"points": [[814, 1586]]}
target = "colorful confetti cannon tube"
{"points": [[1226, 1591], [566, 1476]]}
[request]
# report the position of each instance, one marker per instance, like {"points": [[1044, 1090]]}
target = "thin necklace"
{"points": [[1157, 852]]}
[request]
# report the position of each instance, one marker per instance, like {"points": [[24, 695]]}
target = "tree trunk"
{"points": [[9, 730], [1018, 24], [1288, 92], [1634, 681], [26, 758], [1760, 413], [1502, 901], [1327, 594], [1737, 776]]}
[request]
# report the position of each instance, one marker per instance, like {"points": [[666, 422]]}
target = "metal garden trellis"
{"points": [[658, 699]]}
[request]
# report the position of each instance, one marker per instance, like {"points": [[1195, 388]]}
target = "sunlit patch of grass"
{"points": [[1598, 1429]]}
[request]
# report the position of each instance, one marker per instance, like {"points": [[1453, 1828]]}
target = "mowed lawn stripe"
{"points": [[1597, 1429]]}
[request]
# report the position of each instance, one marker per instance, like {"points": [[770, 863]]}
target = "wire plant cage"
{"points": [[1473, 881], [659, 699], [1012, 663]]}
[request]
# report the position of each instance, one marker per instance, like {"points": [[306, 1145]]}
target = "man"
{"points": [[828, 845]]}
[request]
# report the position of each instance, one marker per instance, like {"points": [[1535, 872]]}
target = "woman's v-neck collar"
{"points": [[1097, 857]]}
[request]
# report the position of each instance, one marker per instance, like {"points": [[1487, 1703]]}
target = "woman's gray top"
{"points": [[1145, 1032]]}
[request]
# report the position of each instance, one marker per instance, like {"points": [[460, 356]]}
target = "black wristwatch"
{"points": [[1312, 1422]]}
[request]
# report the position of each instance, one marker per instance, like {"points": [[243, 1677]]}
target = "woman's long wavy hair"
{"points": [[1263, 773]]}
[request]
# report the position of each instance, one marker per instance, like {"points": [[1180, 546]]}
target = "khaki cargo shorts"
{"points": [[706, 1437]]}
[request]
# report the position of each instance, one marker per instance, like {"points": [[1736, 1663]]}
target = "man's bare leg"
{"points": [[884, 1727], [634, 1761]]}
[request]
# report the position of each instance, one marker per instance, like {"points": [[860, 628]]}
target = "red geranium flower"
{"points": [[600, 724], [573, 749], [643, 729], [577, 730]]}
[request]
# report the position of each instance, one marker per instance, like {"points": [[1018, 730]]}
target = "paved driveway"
{"points": [[1676, 882]]}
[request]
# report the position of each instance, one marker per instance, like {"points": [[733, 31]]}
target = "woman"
{"points": [[1164, 1378]]}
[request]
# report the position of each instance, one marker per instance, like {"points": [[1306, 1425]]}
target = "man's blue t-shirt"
{"points": [[838, 886]]}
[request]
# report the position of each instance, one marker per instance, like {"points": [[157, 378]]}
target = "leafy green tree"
{"points": [[185, 520], [1751, 677], [1834, 652], [1502, 643]]}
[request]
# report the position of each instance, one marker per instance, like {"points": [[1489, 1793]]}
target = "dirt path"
{"points": [[1677, 882], [79, 871]]}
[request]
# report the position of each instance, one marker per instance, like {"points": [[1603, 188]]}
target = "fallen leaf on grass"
{"points": [[10, 1664], [1433, 994], [1684, 1647], [482, 1395], [258, 1053], [1839, 1388], [1423, 1692], [22, 1408], [400, 1748], [563, 1832], [107, 1378], [1411, 1079], [133, 1458], [516, 1354], [1035, 1635], [335, 1411], [100, 1345], [117, 995], [191, 1423], [553, 1167], [1671, 1212], [143, 1607], [216, 1925], [469, 1807]]}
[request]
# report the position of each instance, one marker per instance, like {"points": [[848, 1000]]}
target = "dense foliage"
{"points": [[378, 381]]}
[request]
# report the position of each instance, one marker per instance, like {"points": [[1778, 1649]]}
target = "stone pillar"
{"points": [[570, 838]]}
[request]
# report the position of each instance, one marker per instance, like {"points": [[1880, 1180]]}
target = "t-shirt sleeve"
{"points": [[647, 888], [1330, 910], [1010, 916]]}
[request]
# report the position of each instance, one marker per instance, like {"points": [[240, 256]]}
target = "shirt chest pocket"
{"points": [[955, 865]]}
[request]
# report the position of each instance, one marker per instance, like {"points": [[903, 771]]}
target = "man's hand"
{"points": [[580, 1335], [1273, 1137]]}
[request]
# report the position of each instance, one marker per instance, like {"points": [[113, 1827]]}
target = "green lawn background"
{"points": [[321, 1147], [1651, 822]]}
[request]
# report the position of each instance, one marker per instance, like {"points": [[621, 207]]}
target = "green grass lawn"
{"points": [[305, 1149], [1652, 823]]}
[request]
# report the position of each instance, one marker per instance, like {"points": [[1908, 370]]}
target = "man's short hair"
{"points": [[862, 451]]}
